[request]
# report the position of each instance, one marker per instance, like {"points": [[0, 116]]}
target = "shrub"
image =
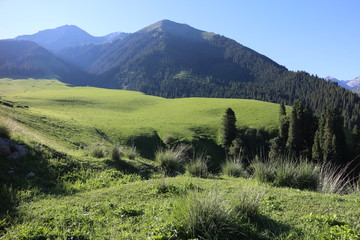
{"points": [[210, 217], [98, 151], [170, 160], [5, 131], [197, 167], [233, 168]]}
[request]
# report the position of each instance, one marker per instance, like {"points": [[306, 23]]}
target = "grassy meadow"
{"points": [[87, 184], [76, 116]]}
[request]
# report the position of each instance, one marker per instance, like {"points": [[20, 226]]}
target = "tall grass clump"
{"points": [[334, 179], [209, 216], [98, 151], [264, 171], [287, 172], [5, 130], [170, 161], [233, 167], [197, 167], [116, 153], [129, 151]]}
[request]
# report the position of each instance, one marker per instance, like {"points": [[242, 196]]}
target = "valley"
{"points": [[171, 132]]}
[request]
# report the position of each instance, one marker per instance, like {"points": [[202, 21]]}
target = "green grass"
{"points": [[82, 115], [121, 195], [139, 211]]}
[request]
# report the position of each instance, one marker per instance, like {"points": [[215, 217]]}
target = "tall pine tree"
{"points": [[283, 123], [330, 141], [228, 128], [294, 136], [302, 127]]}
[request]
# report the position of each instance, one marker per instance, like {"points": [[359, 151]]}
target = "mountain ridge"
{"points": [[67, 36], [21, 58], [175, 60], [353, 84]]}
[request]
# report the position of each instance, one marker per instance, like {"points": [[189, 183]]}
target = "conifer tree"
{"points": [[330, 141], [355, 141], [277, 144], [228, 129], [302, 127], [283, 123], [294, 136]]}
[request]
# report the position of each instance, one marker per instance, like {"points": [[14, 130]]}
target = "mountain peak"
{"points": [[178, 29]]}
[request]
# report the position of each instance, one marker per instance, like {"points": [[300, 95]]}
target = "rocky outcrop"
{"points": [[12, 150]]}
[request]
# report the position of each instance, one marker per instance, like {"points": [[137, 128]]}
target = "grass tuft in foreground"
{"points": [[170, 161], [286, 172], [209, 216], [197, 167], [233, 167]]}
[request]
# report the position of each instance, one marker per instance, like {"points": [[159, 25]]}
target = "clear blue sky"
{"points": [[319, 36]]}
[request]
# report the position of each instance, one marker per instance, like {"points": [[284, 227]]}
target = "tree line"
{"points": [[301, 134]]}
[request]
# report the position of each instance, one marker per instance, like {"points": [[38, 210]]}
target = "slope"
{"points": [[27, 59], [82, 116], [172, 60], [175, 60]]}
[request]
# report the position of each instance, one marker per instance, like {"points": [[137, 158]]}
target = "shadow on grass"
{"points": [[267, 228], [122, 166], [26, 178]]}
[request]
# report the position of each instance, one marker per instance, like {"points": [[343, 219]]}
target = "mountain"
{"points": [[172, 53], [349, 84], [67, 36], [20, 59], [175, 60]]}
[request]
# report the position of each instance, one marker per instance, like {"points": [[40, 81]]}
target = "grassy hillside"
{"points": [[76, 116], [71, 194], [144, 210]]}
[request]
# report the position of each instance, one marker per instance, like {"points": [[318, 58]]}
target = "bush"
{"points": [[210, 217], [170, 160], [5, 131], [197, 167], [98, 151], [233, 168]]}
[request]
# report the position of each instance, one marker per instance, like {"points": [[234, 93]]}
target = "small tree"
{"points": [[283, 123], [228, 129]]}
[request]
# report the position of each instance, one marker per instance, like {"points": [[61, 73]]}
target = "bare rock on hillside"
{"points": [[11, 150]]}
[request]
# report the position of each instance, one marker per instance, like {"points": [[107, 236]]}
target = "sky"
{"points": [[321, 37]]}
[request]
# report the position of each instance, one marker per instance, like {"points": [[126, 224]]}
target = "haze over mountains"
{"points": [[172, 60]]}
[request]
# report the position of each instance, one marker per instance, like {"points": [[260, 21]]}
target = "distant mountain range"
{"points": [[68, 36], [171, 60], [27, 59], [353, 85]]}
